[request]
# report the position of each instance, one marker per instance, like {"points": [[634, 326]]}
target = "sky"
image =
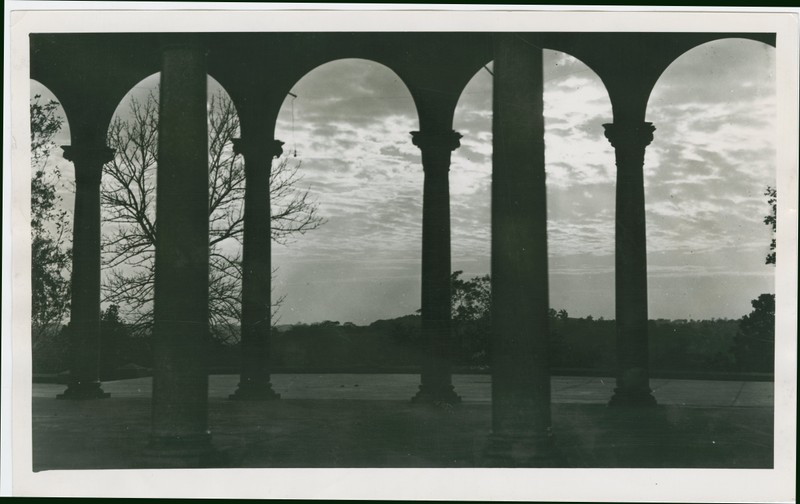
{"points": [[712, 157]]}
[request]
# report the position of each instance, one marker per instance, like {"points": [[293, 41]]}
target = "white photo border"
{"points": [[734, 485]]}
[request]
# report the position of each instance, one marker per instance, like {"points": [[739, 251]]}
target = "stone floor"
{"points": [[367, 420]]}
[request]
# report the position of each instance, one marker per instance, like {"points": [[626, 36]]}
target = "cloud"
{"points": [[719, 72], [712, 156], [359, 92]]}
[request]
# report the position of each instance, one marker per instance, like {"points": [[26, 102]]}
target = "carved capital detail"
{"points": [[88, 161], [436, 140], [255, 149], [629, 135]]}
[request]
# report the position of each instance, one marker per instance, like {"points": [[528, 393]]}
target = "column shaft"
{"points": [[256, 318], [84, 326], [181, 332], [436, 381], [633, 382], [520, 361]]}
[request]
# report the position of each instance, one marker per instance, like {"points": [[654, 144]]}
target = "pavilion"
{"points": [[90, 73]]}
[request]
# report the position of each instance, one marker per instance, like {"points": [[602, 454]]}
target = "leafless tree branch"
{"points": [[128, 200]]}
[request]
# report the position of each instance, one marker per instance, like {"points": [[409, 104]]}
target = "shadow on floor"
{"points": [[391, 433]]}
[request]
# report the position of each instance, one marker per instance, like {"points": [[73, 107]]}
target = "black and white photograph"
{"points": [[532, 255]]}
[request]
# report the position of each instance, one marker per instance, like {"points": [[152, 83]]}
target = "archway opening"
{"points": [[52, 202], [346, 127], [706, 174], [579, 163], [710, 162], [50, 130], [128, 197]]}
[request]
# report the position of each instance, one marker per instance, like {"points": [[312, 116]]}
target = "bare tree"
{"points": [[128, 196]]}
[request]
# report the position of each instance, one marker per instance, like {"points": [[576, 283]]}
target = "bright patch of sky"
{"points": [[711, 160]]}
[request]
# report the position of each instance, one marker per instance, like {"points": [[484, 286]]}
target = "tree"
{"points": [[114, 341], [772, 220], [754, 345], [470, 299], [471, 312], [128, 197], [471, 304], [50, 255]]}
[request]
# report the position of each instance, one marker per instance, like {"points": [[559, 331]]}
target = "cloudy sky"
{"points": [[705, 174]]}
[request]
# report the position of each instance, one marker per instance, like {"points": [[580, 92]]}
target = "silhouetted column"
{"points": [[633, 380], [256, 320], [84, 325], [521, 434], [436, 380], [181, 332]]}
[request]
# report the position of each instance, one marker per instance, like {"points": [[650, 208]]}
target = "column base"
{"points": [[83, 391], [181, 452], [436, 395], [249, 391], [632, 397], [522, 450]]}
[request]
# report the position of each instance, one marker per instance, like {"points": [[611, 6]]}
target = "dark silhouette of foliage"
{"points": [[470, 299], [772, 220], [754, 347], [755, 341], [50, 256], [50, 350], [471, 305]]}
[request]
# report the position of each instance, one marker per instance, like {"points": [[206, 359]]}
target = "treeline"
{"points": [[590, 344], [584, 344]]}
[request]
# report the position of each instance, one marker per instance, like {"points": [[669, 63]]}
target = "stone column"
{"points": [[181, 332], [436, 380], [629, 140], [521, 434], [84, 325], [256, 319]]}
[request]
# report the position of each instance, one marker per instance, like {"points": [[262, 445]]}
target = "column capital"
{"points": [[88, 161], [448, 140], [248, 147], [630, 135]]}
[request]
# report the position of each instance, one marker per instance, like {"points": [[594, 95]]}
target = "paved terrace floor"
{"points": [[367, 420]]}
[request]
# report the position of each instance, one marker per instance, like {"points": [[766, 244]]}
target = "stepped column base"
{"points": [[252, 391], [83, 391]]}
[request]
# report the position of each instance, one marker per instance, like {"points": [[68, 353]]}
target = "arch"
{"points": [[50, 168], [129, 193], [470, 176], [762, 41], [580, 181], [303, 71], [581, 185], [150, 82], [712, 157], [355, 144], [38, 88], [766, 40]]}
